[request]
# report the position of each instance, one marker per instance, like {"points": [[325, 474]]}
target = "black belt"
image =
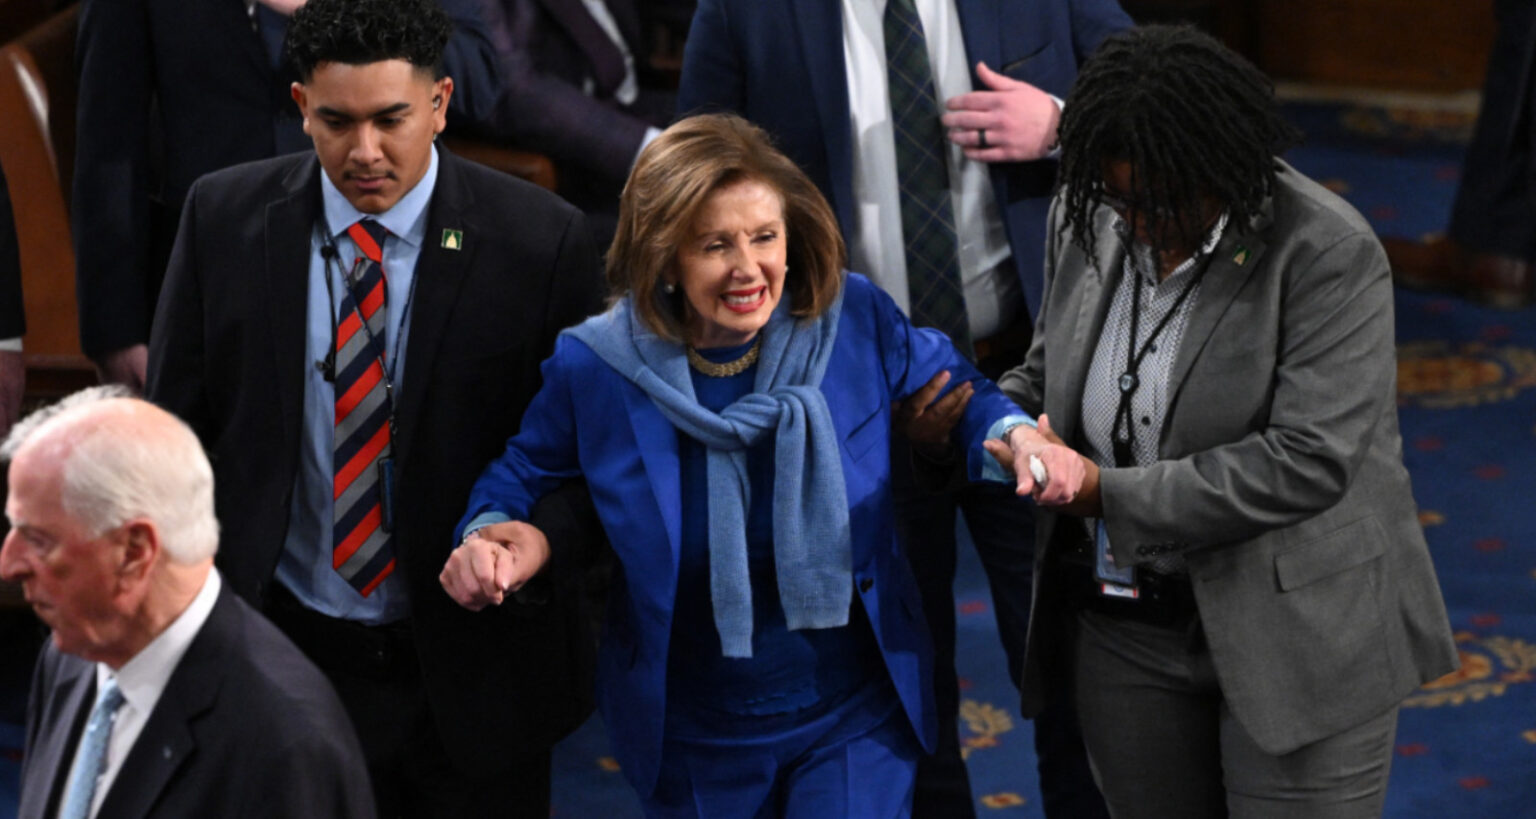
{"points": [[383, 652], [1162, 599]]}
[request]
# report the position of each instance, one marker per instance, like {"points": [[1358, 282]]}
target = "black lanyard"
{"points": [[1123, 438], [331, 255]]}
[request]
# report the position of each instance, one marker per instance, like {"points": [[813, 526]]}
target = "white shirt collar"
{"points": [[143, 678]]}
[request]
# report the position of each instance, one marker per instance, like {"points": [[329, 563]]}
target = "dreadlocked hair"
{"points": [[1195, 121]]}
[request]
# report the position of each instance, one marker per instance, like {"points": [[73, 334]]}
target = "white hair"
{"points": [[133, 460]]}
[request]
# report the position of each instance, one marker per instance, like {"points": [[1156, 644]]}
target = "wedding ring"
{"points": [[981, 137]]}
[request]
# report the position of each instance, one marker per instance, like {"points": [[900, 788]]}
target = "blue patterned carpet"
{"points": [[1466, 744]]}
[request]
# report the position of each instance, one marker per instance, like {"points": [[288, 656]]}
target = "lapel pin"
{"points": [[453, 239], [1241, 256]]}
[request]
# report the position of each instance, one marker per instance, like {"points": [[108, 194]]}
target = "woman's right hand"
{"points": [[494, 562]]}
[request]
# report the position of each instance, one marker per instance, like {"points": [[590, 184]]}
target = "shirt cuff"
{"points": [[481, 521], [10, 345], [1055, 149], [991, 470]]}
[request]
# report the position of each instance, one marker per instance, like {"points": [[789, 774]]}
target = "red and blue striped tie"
{"points": [[363, 552]]}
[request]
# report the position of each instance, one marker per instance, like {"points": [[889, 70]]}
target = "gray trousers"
{"points": [[1163, 743]]}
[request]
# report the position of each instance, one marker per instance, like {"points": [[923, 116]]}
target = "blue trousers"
{"points": [[856, 761]]}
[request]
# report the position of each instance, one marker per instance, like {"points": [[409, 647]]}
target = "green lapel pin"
{"points": [[453, 239], [1241, 256]]}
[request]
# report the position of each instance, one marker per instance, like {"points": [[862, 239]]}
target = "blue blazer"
{"points": [[591, 421], [781, 66]]}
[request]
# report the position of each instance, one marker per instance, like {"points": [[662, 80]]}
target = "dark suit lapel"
{"points": [[440, 274], [1094, 295], [981, 27], [166, 742], [1236, 257], [250, 41], [606, 59], [819, 25], [627, 16], [52, 752], [290, 223]]}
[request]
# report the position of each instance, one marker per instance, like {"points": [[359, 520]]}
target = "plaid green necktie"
{"points": [[927, 214]]}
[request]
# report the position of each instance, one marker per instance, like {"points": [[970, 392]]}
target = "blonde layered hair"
{"points": [[673, 178]]}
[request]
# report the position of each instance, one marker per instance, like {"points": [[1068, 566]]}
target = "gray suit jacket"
{"points": [[1280, 475]]}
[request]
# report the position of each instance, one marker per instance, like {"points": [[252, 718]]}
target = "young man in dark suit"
{"points": [[161, 693], [354, 333], [169, 91]]}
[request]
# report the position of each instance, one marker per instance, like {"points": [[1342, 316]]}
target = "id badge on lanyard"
{"points": [[1113, 581]]}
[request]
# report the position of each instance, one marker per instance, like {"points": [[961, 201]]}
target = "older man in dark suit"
{"points": [[354, 333], [161, 694]]}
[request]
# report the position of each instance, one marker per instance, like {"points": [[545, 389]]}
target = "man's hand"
{"points": [[1013, 121], [13, 382], [494, 562], [125, 366], [283, 7], [1065, 469], [927, 423]]}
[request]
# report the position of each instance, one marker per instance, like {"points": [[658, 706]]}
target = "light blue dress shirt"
{"points": [[305, 565]]}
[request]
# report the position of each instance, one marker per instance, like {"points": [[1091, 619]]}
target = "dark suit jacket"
{"points": [[170, 90], [246, 727], [227, 356], [1280, 474], [781, 66], [547, 49]]}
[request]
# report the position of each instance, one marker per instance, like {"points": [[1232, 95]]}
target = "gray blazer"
{"points": [[1280, 475]]}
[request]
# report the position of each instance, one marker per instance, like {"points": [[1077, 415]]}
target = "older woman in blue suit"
{"points": [[764, 653]]}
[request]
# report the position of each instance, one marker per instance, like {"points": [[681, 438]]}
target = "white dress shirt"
{"points": [[992, 292], [142, 680]]}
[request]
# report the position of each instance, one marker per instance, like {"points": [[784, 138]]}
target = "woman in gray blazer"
{"points": [[1241, 592]]}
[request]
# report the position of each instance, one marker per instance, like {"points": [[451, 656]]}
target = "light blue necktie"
{"points": [[92, 755]]}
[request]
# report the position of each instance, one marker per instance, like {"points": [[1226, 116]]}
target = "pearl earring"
{"points": [[668, 288]]}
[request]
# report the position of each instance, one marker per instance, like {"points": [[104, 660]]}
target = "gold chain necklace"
{"points": [[729, 368]]}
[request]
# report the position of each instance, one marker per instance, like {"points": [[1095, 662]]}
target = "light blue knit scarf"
{"points": [[811, 545]]}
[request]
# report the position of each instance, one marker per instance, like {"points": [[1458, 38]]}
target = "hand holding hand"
{"points": [[1065, 470], [1011, 121], [494, 562], [927, 423]]}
